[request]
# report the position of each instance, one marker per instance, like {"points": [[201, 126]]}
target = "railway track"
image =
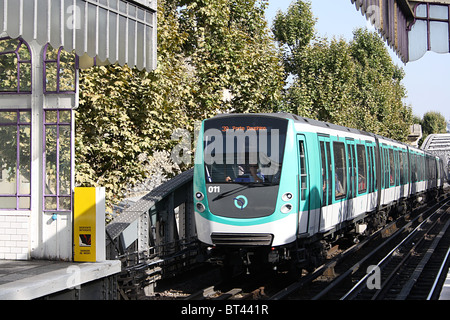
{"points": [[407, 259], [414, 248], [401, 269]]}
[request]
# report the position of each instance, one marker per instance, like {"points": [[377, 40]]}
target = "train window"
{"points": [[391, 168], [413, 168], [397, 167], [303, 173], [352, 170], [324, 172], [362, 168], [406, 169], [370, 167], [329, 184], [386, 168], [371, 170], [382, 168], [340, 167], [402, 169]]}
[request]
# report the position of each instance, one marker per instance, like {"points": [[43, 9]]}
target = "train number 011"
{"points": [[214, 189]]}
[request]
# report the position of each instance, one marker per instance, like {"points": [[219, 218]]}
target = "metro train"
{"points": [[278, 190]]}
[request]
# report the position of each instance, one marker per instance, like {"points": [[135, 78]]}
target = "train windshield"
{"points": [[244, 149]]}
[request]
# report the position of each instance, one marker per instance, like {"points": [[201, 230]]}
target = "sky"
{"points": [[426, 80]]}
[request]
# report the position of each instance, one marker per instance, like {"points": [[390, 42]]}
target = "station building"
{"points": [[43, 45]]}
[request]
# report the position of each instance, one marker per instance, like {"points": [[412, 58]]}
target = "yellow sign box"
{"points": [[89, 224]]}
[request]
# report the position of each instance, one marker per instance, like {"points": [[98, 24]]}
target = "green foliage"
{"points": [[294, 30], [205, 48], [433, 123], [353, 84]]}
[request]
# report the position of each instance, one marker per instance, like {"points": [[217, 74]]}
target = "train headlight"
{"points": [[199, 196], [287, 196], [200, 207], [286, 208]]}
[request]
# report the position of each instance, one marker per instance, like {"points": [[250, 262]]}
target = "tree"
{"points": [[353, 84], [294, 30], [205, 47], [433, 122]]}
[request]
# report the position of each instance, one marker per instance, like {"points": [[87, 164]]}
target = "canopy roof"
{"points": [[110, 30]]}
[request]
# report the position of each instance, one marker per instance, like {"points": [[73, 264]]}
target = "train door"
{"points": [[353, 181], [325, 220], [303, 189]]}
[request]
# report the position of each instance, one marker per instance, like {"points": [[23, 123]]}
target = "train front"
{"points": [[244, 185]]}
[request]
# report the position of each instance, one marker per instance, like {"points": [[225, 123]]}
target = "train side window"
{"points": [[391, 167], [405, 168], [340, 167], [402, 169], [371, 170], [303, 173], [397, 167], [370, 167], [374, 175], [386, 168], [329, 184], [362, 168], [382, 168], [324, 172]]}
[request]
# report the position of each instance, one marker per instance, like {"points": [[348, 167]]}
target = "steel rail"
{"points": [[439, 275], [411, 234]]}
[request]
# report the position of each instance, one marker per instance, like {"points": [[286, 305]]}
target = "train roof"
{"points": [[321, 124]]}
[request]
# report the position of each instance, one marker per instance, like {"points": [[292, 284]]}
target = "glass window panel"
{"points": [[8, 45], [51, 54], [417, 39], [64, 159], [438, 12], [50, 160], [8, 72], [25, 160], [51, 116], [25, 117], [340, 170], [8, 202], [13, 59], [25, 77], [58, 151], [51, 80], [8, 117], [65, 116], [65, 203], [24, 53], [439, 37], [362, 169], [141, 14], [67, 71], [50, 203], [113, 4], [421, 11], [8, 159], [25, 203]]}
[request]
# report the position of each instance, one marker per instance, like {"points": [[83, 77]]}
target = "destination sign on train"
{"points": [[243, 128]]}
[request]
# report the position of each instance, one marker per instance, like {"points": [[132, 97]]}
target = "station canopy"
{"points": [[109, 31], [410, 28]]}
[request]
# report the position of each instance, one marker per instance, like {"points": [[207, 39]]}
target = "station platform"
{"points": [[445, 292], [34, 279]]}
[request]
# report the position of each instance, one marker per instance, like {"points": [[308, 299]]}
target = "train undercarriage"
{"points": [[309, 253]]}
